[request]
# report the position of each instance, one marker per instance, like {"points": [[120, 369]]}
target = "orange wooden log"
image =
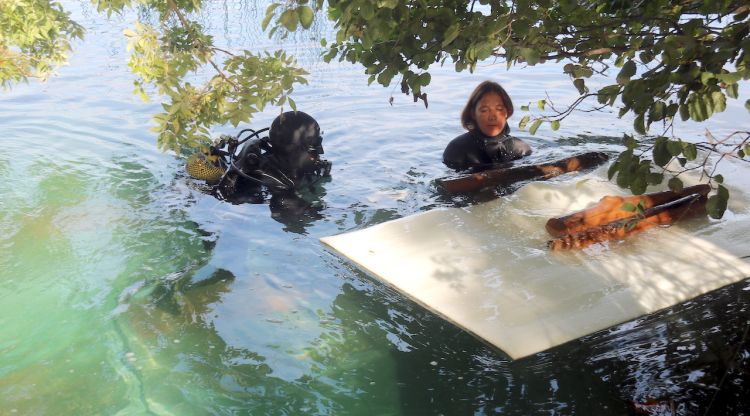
{"points": [[507, 176], [660, 215], [610, 209]]}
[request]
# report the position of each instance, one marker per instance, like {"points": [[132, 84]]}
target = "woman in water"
{"points": [[487, 141]]}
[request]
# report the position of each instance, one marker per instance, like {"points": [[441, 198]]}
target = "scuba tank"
{"points": [[205, 167], [282, 161]]}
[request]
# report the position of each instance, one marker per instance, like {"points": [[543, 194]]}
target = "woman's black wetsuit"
{"points": [[474, 150]]}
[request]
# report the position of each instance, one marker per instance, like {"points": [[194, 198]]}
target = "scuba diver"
{"points": [[245, 169], [487, 143]]}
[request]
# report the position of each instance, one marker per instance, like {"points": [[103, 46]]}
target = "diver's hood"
{"points": [[295, 132]]}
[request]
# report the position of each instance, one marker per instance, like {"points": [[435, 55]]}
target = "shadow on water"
{"points": [[693, 357], [690, 359], [440, 369], [296, 210], [183, 362]]}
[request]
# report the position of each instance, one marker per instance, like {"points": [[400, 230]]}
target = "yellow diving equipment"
{"points": [[201, 166]]}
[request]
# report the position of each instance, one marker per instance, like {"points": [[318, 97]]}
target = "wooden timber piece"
{"points": [[610, 209], [664, 214], [501, 177]]}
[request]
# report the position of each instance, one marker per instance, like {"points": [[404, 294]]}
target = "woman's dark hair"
{"points": [[467, 115]]}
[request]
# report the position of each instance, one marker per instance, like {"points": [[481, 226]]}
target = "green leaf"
{"points": [[675, 184], [672, 109], [555, 124], [289, 19], [535, 125], [747, 105], [524, 121], [580, 85], [630, 141], [655, 178], [631, 224], [450, 34], [685, 112], [639, 184], [608, 94], [657, 111], [306, 15], [638, 125], [627, 206], [269, 15], [717, 204], [582, 71], [674, 147], [690, 151], [424, 79], [388, 4], [729, 78], [385, 77], [646, 56], [540, 104], [272, 7], [733, 91], [266, 21], [530, 55], [639, 208], [718, 178], [700, 107], [719, 101], [627, 71], [661, 153], [292, 104]]}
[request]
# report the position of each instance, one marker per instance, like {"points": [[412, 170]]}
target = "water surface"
{"points": [[126, 289]]}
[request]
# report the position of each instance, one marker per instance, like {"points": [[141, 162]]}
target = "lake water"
{"points": [[126, 289]]}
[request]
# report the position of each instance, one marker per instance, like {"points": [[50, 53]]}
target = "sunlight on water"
{"points": [[125, 289]]}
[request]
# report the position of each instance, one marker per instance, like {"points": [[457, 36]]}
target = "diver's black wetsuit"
{"points": [[474, 150], [280, 163]]}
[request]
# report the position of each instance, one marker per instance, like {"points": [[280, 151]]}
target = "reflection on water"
{"points": [[126, 289], [296, 209], [666, 357]]}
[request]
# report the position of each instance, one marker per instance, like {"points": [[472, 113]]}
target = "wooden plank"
{"points": [[502, 177], [664, 214], [610, 209]]}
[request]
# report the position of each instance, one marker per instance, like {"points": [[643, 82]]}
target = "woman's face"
{"points": [[491, 114]]}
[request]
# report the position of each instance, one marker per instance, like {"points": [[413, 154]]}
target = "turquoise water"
{"points": [[126, 289]]}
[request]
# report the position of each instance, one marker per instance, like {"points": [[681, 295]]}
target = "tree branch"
{"points": [[187, 28], [223, 50]]}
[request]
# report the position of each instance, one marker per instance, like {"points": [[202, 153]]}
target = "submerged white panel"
{"points": [[486, 268]]}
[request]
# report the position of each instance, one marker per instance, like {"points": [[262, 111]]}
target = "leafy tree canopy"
{"points": [[672, 58], [35, 38]]}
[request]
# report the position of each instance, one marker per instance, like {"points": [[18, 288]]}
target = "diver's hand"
{"points": [[323, 168]]}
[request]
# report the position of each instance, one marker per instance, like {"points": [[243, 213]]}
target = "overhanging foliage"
{"points": [[669, 59], [35, 39], [675, 58]]}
